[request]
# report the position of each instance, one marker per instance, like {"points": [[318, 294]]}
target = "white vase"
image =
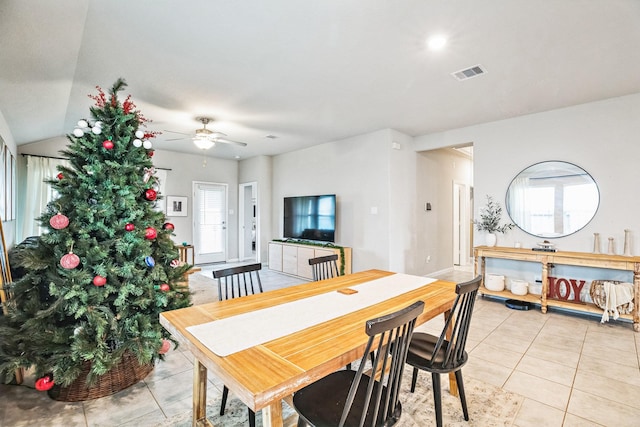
{"points": [[596, 243], [491, 239], [627, 243]]}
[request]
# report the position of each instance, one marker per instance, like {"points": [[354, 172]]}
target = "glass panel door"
{"points": [[209, 222]]}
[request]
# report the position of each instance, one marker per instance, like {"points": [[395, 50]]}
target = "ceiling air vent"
{"points": [[469, 73]]}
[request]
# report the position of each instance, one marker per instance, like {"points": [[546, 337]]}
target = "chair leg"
{"points": [[252, 418], [225, 394], [435, 378], [348, 366], [414, 379], [463, 399]]}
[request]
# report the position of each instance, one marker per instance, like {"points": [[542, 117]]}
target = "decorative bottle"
{"points": [[627, 243], [596, 243]]}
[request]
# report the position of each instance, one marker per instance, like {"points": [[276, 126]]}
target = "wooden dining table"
{"points": [[264, 375]]}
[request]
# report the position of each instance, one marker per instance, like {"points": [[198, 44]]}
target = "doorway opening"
{"points": [[248, 239]]}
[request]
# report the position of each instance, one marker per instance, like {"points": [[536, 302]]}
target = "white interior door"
{"points": [[209, 222], [248, 245]]}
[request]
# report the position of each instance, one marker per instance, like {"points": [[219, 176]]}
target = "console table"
{"points": [[547, 260]]}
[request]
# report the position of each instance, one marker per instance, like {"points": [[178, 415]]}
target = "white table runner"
{"points": [[236, 333]]}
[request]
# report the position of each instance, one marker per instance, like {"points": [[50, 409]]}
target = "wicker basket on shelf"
{"points": [[125, 374], [599, 297]]}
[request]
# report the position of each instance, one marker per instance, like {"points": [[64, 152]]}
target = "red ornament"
{"points": [[99, 281], [167, 226], [166, 346], [45, 383], [60, 176], [59, 221], [129, 227], [164, 287], [108, 144], [150, 153], [150, 194], [150, 233], [70, 261]]}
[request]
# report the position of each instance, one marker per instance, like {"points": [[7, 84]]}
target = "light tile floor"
{"points": [[572, 371]]}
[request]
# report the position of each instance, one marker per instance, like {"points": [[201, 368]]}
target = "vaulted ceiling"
{"points": [[309, 72]]}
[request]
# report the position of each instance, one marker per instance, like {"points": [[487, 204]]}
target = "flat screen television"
{"points": [[310, 218]]}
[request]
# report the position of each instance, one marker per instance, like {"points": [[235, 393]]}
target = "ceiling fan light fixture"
{"points": [[203, 143]]}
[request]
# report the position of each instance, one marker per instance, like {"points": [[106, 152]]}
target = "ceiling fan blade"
{"points": [[181, 133], [175, 139], [229, 141]]}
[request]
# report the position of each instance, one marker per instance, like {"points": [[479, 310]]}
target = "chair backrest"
{"points": [[324, 267], [389, 338], [238, 281], [452, 350]]}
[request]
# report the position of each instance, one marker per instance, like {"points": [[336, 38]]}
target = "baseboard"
{"points": [[439, 273]]}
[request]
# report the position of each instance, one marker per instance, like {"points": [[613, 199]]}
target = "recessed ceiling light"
{"points": [[271, 136], [437, 42]]}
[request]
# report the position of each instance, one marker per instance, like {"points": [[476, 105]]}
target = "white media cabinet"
{"points": [[293, 258]]}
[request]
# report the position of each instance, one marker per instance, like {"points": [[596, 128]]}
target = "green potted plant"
{"points": [[490, 217]]}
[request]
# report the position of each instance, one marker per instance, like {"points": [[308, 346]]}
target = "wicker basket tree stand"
{"points": [[125, 374]]}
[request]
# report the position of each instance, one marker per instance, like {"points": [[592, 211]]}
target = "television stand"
{"points": [[293, 258]]}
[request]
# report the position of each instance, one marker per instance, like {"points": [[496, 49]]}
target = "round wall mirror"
{"points": [[552, 199]]}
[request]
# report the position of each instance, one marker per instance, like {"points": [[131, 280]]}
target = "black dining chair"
{"points": [[235, 282], [324, 267], [439, 355], [359, 398], [238, 281]]}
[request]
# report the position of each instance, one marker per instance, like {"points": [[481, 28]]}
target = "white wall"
{"points": [[402, 203], [356, 170], [601, 137]]}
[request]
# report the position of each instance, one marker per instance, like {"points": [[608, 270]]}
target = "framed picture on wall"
{"points": [[177, 206]]}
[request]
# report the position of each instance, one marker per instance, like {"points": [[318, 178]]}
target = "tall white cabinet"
{"points": [[293, 258]]}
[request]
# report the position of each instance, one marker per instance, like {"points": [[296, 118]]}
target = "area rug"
{"points": [[488, 406], [203, 289]]}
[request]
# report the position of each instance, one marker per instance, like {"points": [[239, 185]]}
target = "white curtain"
{"points": [[38, 193], [519, 203]]}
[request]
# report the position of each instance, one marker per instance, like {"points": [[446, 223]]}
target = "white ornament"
{"points": [[98, 124], [97, 130], [139, 134], [77, 330], [83, 123], [137, 143], [78, 132], [146, 144]]}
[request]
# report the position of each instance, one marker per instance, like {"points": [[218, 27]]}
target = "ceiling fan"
{"points": [[205, 138]]}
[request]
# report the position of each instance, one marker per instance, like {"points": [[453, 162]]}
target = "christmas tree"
{"points": [[98, 278]]}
